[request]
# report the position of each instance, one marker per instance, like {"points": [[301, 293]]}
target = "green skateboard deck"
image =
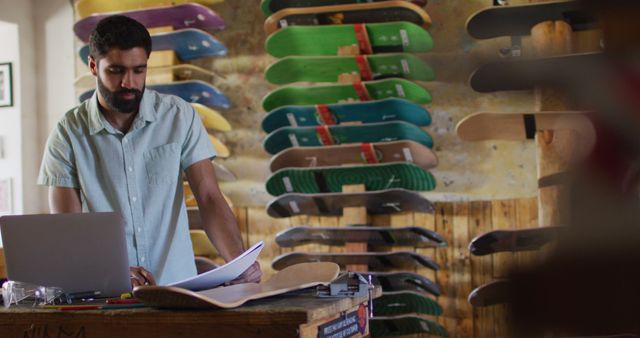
{"points": [[403, 281], [271, 6], [391, 109], [373, 236], [492, 293], [404, 325], [405, 302], [331, 204], [288, 137], [328, 68], [386, 11], [513, 240], [331, 179], [517, 20], [391, 37], [358, 153], [342, 93], [379, 261]]}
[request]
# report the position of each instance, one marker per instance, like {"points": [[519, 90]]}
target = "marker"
{"points": [[82, 295], [122, 301]]}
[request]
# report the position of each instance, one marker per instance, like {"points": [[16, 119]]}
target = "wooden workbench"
{"points": [[297, 315]]}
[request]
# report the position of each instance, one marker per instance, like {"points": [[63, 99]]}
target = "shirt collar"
{"points": [[97, 122]]}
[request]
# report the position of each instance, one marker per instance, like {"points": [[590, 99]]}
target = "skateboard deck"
{"points": [[517, 20], [381, 326], [525, 74], [221, 149], [84, 8], [386, 11], [405, 302], [385, 152], [201, 244], [211, 119], [341, 93], [390, 109], [331, 179], [179, 72], [521, 126], [492, 293], [379, 261], [188, 44], [193, 91], [388, 201], [296, 277], [390, 37], [329, 68], [287, 137], [271, 6], [373, 236], [513, 240], [188, 15], [403, 281]]}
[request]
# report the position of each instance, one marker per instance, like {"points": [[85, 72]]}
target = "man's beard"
{"points": [[117, 102]]}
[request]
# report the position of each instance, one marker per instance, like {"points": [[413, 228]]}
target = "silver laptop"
{"points": [[76, 252]]}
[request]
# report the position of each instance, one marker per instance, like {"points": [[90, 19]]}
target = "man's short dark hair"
{"points": [[118, 31]]}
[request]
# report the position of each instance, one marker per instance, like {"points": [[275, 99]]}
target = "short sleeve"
{"points": [[196, 146], [58, 167]]}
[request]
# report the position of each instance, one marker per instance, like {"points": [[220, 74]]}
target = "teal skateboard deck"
{"points": [[493, 293], [517, 20], [378, 261], [191, 91], [188, 44], [288, 137], [380, 326], [373, 236], [403, 281], [355, 153], [271, 6], [513, 240], [331, 204], [331, 179], [390, 37], [390, 109], [189, 15], [328, 68], [341, 93], [405, 302]]}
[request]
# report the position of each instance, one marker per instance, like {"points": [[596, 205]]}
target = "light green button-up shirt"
{"points": [[137, 174]]}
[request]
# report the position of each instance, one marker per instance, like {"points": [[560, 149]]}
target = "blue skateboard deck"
{"points": [[188, 44], [390, 109], [288, 137], [191, 91]]}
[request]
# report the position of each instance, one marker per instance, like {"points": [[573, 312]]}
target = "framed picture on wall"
{"points": [[6, 196], [6, 85]]}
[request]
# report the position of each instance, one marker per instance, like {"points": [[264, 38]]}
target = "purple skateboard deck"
{"points": [[190, 15]]}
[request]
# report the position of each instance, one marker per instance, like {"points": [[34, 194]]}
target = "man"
{"points": [[124, 150]]}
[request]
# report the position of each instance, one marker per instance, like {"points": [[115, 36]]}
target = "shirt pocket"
{"points": [[163, 164]]}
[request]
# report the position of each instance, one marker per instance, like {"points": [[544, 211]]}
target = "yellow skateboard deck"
{"points": [[158, 75], [221, 149], [211, 118], [85, 8], [202, 246]]}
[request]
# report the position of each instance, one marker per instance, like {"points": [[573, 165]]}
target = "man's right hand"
{"points": [[140, 276]]}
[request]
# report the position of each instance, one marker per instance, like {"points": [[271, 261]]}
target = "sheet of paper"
{"points": [[221, 274]]}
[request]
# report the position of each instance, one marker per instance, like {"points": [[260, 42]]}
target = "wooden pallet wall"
{"points": [[460, 272]]}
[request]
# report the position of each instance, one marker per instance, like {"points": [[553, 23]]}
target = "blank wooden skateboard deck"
{"points": [[521, 126], [386, 110], [492, 293], [386, 11], [379, 261], [331, 179], [329, 68], [287, 137], [373, 236], [343, 93], [84, 8], [331, 204], [188, 15], [385, 152], [390, 37], [381, 326], [405, 302], [517, 20], [188, 44], [271, 6], [513, 240], [525, 74], [181, 72], [403, 281], [293, 278]]}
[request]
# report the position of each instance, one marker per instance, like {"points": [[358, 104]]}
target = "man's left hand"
{"points": [[252, 275]]}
